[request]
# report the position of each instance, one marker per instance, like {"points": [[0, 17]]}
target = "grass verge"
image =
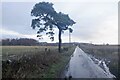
{"points": [[34, 61]]}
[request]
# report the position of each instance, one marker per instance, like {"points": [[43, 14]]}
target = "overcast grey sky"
{"points": [[96, 20]]}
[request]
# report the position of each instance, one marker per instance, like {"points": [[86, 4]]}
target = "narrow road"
{"points": [[82, 66]]}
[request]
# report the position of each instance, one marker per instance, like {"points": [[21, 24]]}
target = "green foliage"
{"points": [[42, 8], [46, 18], [63, 21], [70, 30]]}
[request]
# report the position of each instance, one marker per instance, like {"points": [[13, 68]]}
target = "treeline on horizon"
{"points": [[21, 41], [33, 42], [27, 42]]}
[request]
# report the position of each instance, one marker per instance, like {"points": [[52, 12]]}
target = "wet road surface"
{"points": [[82, 66]]}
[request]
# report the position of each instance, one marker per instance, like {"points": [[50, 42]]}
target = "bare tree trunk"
{"points": [[60, 40]]}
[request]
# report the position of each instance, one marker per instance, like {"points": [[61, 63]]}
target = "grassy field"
{"points": [[34, 61], [106, 52]]}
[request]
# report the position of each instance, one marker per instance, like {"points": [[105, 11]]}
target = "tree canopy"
{"points": [[46, 19]]}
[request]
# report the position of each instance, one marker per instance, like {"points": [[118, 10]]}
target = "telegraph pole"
{"points": [[69, 37]]}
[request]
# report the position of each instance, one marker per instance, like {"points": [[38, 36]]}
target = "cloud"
{"points": [[96, 21], [15, 34], [106, 31], [16, 16]]}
